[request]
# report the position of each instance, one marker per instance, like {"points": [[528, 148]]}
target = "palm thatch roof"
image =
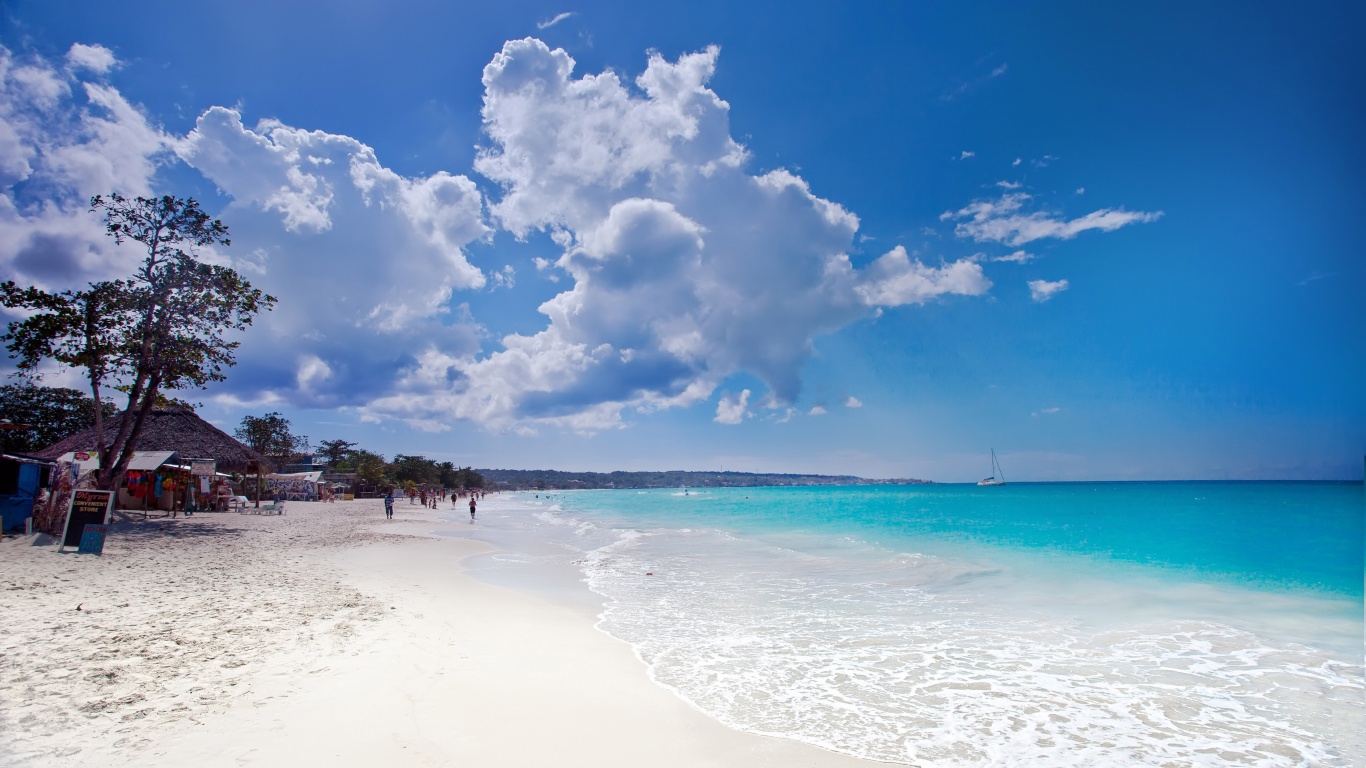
{"points": [[170, 429]]}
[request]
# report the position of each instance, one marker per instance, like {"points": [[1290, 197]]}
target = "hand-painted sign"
{"points": [[92, 540], [88, 507], [203, 467]]}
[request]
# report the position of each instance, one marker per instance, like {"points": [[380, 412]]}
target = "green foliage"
{"points": [[163, 399], [270, 434], [271, 437], [184, 307], [448, 475], [468, 478], [52, 412], [335, 451], [370, 468], [80, 329], [418, 470], [543, 479]]}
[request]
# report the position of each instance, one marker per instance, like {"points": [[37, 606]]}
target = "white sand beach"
{"points": [[326, 636]]}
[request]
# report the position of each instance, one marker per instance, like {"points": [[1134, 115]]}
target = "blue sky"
{"points": [[1111, 243]]}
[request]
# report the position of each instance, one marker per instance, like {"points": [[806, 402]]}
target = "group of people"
{"points": [[430, 498]]}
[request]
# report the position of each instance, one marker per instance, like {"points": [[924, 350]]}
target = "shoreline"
{"points": [[329, 634]]}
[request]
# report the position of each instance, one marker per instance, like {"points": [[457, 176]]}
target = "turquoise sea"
{"points": [[1067, 624]]}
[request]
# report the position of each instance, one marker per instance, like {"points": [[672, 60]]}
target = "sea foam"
{"points": [[957, 651]]}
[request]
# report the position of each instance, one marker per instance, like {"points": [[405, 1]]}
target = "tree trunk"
{"points": [[146, 355], [99, 431], [115, 450], [126, 455], [95, 370]]}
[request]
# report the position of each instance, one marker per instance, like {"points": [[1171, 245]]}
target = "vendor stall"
{"points": [[162, 477]]}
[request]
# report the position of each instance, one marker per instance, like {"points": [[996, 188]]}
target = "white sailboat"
{"points": [[997, 476]]}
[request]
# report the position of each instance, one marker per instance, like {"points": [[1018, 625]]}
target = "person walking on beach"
{"points": [[389, 505], [471, 508]]}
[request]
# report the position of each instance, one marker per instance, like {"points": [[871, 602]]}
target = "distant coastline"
{"points": [[555, 480]]}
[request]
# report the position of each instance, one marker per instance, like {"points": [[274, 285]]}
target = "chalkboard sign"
{"points": [[88, 507], [92, 540]]}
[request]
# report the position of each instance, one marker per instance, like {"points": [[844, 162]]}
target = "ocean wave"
{"points": [[899, 658]]}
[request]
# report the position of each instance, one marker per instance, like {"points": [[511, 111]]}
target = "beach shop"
{"points": [[157, 482], [161, 477]]}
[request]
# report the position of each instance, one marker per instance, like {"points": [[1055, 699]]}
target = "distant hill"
{"points": [[550, 479]]}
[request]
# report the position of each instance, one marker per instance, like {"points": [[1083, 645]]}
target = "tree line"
{"points": [[272, 436], [50, 413], [54, 413], [550, 479]]}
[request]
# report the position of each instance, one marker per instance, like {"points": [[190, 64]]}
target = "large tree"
{"points": [[469, 478], [370, 468], [271, 436], [335, 451], [165, 328], [459, 477], [51, 412], [418, 470]]}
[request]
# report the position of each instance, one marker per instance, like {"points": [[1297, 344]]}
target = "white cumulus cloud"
{"points": [[95, 58], [732, 410], [680, 267], [69, 137], [686, 268], [364, 261], [1043, 290], [893, 279], [853, 402]]}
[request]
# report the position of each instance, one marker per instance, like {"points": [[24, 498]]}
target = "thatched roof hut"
{"points": [[172, 429]]}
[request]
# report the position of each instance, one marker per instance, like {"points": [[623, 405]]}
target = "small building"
{"points": [[171, 438], [155, 480], [306, 463]]}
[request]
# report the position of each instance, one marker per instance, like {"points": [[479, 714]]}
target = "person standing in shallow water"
{"points": [[471, 508], [389, 505]]}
